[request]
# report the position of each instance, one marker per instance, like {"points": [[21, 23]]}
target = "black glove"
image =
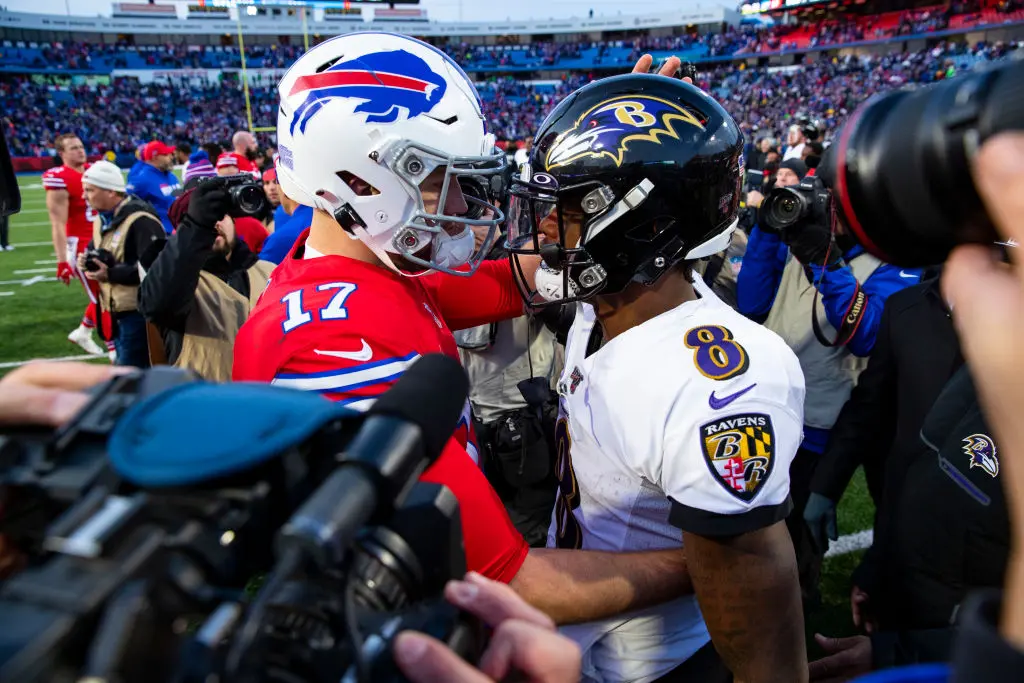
{"points": [[810, 242], [820, 516], [208, 205]]}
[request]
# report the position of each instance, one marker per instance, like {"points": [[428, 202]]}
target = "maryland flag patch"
{"points": [[740, 452]]}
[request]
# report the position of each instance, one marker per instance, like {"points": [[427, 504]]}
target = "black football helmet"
{"points": [[646, 168]]}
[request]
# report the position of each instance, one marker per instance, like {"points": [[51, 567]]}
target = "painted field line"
{"points": [[47, 262], [6, 293], [32, 271], [850, 543], [24, 211], [30, 281], [62, 359], [33, 244]]}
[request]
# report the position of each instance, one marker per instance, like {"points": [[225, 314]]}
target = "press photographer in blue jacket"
{"points": [[823, 294]]}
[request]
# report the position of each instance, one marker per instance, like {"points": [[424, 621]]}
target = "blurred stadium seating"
{"points": [[821, 65]]}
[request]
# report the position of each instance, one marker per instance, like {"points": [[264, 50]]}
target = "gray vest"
{"points": [[495, 369], [829, 372]]}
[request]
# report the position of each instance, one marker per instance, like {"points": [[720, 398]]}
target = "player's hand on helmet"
{"points": [[208, 204], [49, 394], [670, 67], [820, 516], [524, 643], [65, 272]]}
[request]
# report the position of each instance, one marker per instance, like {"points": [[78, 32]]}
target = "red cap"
{"points": [[155, 147], [227, 159], [269, 175]]}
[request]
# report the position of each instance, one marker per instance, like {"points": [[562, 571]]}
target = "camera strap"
{"points": [[851, 319]]}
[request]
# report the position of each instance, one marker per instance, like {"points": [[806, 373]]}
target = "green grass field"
{"points": [[37, 312]]}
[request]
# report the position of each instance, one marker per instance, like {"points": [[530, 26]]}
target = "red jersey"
{"points": [[80, 215], [244, 165], [348, 330]]}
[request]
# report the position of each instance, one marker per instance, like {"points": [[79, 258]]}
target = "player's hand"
{"points": [[524, 643], [65, 272], [754, 199], [987, 298], [670, 67], [49, 394], [208, 205], [101, 274], [846, 659], [80, 262]]}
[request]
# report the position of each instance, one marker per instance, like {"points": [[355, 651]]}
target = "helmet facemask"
{"points": [[430, 239]]}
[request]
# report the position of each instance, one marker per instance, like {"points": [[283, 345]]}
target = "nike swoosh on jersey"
{"points": [[363, 354], [904, 273], [719, 403]]}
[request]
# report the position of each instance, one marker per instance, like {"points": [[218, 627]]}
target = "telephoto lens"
{"points": [[900, 170]]}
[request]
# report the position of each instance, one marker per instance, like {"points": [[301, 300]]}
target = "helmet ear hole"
{"points": [[359, 186]]}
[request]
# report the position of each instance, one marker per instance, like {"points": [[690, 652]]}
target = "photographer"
{"points": [[515, 435], [123, 231], [824, 295], [201, 287]]}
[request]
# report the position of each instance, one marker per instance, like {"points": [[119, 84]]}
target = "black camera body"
{"points": [[785, 207], [302, 567], [94, 256], [246, 193]]}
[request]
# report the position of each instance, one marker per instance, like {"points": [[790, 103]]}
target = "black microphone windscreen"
{"points": [[431, 394]]}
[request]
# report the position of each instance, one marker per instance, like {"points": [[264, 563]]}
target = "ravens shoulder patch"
{"points": [[739, 450]]}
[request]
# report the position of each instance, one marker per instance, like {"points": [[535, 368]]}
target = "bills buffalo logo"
{"points": [[740, 452], [982, 452], [574, 380], [391, 85], [610, 128]]}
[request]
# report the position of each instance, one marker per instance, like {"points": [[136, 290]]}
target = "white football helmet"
{"points": [[365, 118]]}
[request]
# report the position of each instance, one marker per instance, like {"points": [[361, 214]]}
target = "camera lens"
{"points": [[250, 199], [782, 208], [900, 170]]}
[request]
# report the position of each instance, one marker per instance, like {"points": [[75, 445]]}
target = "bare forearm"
{"points": [[574, 586], [749, 593]]}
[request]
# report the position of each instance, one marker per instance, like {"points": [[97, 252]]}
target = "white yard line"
{"points": [[32, 271], [6, 293], [851, 543], [18, 364], [31, 225], [33, 244], [24, 211], [30, 281], [47, 262]]}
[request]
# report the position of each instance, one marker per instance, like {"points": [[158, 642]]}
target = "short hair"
{"points": [[184, 148], [212, 150], [61, 139], [240, 135]]}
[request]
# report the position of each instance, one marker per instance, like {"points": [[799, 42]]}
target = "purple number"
{"points": [[568, 533], [715, 353]]}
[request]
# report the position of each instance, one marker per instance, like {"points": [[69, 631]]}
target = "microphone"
{"points": [[403, 433]]}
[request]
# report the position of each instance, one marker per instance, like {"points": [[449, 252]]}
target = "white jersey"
{"points": [[686, 422]]}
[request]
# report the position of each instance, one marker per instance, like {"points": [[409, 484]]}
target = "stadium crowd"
{"points": [[124, 114], [201, 260]]}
